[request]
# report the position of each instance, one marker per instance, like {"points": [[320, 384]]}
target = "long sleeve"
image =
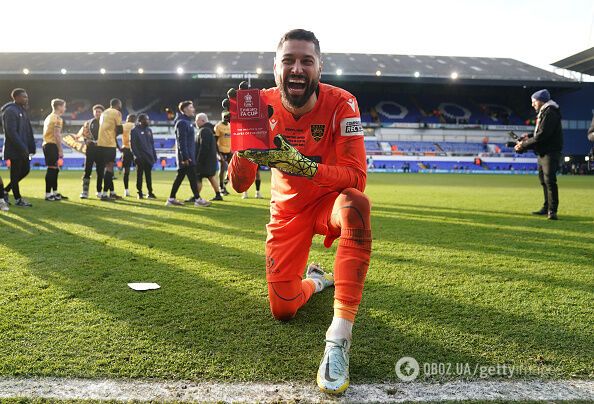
{"points": [[134, 143], [591, 132], [242, 173], [181, 137], [542, 133], [11, 132], [350, 169], [153, 146], [205, 143], [31, 138]]}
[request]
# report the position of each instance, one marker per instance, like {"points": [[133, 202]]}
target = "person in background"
{"points": [[52, 148], [145, 155], [127, 156], [547, 143], [110, 126], [186, 155], [90, 132], [19, 144], [206, 155], [222, 132], [3, 204], [591, 139]]}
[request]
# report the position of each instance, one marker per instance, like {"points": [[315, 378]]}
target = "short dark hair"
{"points": [[143, 116], [98, 106], [115, 101], [16, 92], [183, 105], [131, 118], [300, 35], [57, 102]]}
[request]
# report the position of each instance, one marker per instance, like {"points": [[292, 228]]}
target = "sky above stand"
{"points": [[535, 32]]}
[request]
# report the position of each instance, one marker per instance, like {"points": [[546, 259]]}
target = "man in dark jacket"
{"points": [[145, 155], [206, 155], [19, 143], [591, 139], [91, 134], [547, 143], [186, 154]]}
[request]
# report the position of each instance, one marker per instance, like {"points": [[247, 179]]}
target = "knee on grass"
{"points": [[283, 312]]}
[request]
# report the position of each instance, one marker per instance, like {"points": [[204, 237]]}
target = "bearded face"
{"points": [[296, 89], [297, 72]]}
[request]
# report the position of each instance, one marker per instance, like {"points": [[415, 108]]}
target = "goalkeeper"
{"points": [[318, 179]]}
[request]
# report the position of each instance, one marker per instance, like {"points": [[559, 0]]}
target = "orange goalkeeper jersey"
{"points": [[330, 134]]}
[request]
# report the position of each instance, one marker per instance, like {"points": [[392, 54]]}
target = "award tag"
{"points": [[249, 121]]}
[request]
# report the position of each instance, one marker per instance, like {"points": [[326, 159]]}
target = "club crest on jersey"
{"points": [[317, 132], [351, 103]]}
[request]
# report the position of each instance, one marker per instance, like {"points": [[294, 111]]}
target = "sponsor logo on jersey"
{"points": [[273, 123], [317, 132], [351, 127], [351, 103]]}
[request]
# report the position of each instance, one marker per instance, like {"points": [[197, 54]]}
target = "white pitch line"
{"points": [[142, 390]]}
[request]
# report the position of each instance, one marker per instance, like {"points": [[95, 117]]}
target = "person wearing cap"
{"points": [[591, 139], [547, 143]]}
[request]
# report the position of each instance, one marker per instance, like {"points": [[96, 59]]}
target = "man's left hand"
{"points": [[518, 147], [285, 158]]}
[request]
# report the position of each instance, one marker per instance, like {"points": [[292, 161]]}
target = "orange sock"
{"points": [[346, 311], [350, 270]]}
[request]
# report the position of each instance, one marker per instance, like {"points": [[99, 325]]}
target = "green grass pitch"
{"points": [[460, 273]]}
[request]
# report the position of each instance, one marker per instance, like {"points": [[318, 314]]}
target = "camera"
{"points": [[515, 138]]}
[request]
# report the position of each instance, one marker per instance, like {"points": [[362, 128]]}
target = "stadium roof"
{"points": [[232, 64], [582, 62]]}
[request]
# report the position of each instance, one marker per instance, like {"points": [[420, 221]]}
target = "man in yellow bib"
{"points": [[127, 156], [222, 132], [110, 126], [52, 148]]}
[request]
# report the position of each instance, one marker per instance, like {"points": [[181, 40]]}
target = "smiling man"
{"points": [[318, 179]]}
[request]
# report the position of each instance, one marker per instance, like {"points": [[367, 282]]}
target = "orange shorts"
{"points": [[289, 238]]}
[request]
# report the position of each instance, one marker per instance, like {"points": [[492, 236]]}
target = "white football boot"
{"points": [[333, 373], [321, 278]]}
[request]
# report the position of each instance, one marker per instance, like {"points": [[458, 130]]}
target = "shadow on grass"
{"points": [[211, 320], [510, 237]]}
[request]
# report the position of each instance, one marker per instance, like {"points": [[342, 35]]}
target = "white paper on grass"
{"points": [[144, 286]]}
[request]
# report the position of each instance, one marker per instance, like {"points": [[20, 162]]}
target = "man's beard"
{"points": [[301, 100]]}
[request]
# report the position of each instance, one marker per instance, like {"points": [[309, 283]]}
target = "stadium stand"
{"points": [[413, 112]]}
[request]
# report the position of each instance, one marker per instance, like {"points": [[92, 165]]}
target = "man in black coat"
{"points": [[91, 134], [547, 143], [591, 139], [19, 144], [145, 155], [206, 155]]}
